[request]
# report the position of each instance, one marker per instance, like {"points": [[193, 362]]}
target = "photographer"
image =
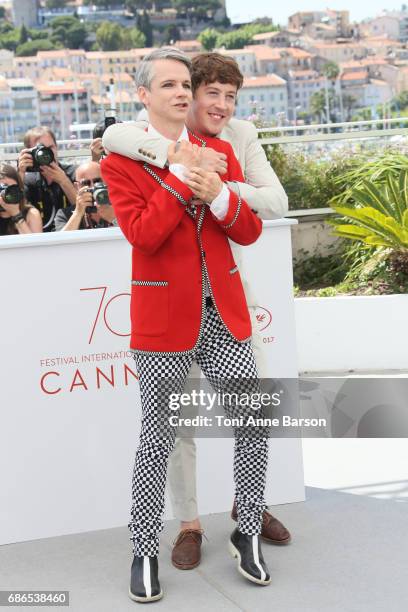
{"points": [[16, 216], [48, 182], [87, 213], [97, 149]]}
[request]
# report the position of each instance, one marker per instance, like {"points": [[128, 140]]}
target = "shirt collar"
{"points": [[154, 132]]}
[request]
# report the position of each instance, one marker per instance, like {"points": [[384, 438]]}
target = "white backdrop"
{"points": [[69, 405]]}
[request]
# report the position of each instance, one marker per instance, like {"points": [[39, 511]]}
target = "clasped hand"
{"points": [[201, 176], [205, 185]]}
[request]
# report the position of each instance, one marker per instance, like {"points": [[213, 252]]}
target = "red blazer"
{"points": [[173, 252]]}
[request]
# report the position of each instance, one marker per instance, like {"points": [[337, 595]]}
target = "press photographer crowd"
{"points": [[44, 194]]}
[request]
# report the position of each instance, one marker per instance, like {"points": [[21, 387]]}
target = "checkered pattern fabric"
{"points": [[221, 359]]}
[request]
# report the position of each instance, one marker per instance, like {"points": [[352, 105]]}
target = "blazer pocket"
{"points": [[150, 307]]}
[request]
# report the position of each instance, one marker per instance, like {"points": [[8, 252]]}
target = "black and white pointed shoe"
{"points": [[251, 564], [144, 580]]}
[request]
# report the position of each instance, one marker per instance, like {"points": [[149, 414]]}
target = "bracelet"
{"points": [[17, 218]]}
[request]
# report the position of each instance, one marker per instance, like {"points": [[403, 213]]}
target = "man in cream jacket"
{"points": [[215, 82]]}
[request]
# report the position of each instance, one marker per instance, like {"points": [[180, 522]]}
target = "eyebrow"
{"points": [[229, 91], [174, 80]]}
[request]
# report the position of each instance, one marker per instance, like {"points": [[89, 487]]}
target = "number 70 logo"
{"points": [[104, 310]]}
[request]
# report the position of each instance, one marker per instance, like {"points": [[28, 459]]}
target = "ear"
{"points": [[143, 94]]}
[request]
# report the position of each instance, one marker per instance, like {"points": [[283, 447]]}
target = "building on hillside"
{"points": [[280, 60], [302, 84], [366, 91], [62, 103], [280, 38], [19, 102], [340, 20], [245, 59], [25, 12], [126, 104], [102, 62], [6, 63], [321, 31], [263, 95], [393, 24], [395, 76]]}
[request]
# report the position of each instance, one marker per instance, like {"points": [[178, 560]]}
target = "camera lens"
{"points": [[101, 195], [11, 194], [44, 156]]}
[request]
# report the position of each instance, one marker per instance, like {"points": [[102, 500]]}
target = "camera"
{"points": [[42, 156], [100, 196], [10, 194]]}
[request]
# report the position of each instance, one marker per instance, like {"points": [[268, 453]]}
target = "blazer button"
{"points": [[153, 156]]}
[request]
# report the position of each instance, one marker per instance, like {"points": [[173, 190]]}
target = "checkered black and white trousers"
{"points": [[221, 358]]}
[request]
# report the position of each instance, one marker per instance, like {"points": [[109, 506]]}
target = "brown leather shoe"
{"points": [[186, 553], [273, 530]]}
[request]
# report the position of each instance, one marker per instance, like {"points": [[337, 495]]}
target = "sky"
{"points": [[247, 10]]}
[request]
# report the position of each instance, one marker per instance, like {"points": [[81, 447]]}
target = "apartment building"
{"points": [[281, 38], [280, 60], [340, 20], [245, 59], [264, 95], [394, 24], [20, 107], [302, 84]]}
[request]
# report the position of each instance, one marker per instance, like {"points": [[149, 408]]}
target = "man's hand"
{"points": [[212, 160], [54, 174], [97, 149], [25, 160], [106, 213], [205, 185], [185, 153], [83, 199]]}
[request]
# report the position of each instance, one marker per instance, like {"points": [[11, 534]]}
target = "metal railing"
{"points": [[79, 148]]}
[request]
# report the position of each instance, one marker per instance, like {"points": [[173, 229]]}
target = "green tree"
{"points": [[69, 32], [233, 40], [132, 38], [318, 105], [171, 34], [102, 3], [75, 36], [55, 4], [139, 5], [64, 21], [33, 46], [331, 71], [109, 36], [23, 35], [10, 39], [144, 25], [193, 9], [208, 38]]}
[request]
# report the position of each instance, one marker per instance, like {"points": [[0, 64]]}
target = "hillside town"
{"points": [[318, 68]]}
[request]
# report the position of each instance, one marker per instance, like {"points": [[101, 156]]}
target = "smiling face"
{"points": [[169, 97], [212, 108]]}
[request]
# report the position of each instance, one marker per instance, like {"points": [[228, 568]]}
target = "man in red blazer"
{"points": [[187, 304]]}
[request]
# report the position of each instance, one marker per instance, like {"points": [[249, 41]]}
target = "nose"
{"points": [[181, 90], [221, 103]]}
